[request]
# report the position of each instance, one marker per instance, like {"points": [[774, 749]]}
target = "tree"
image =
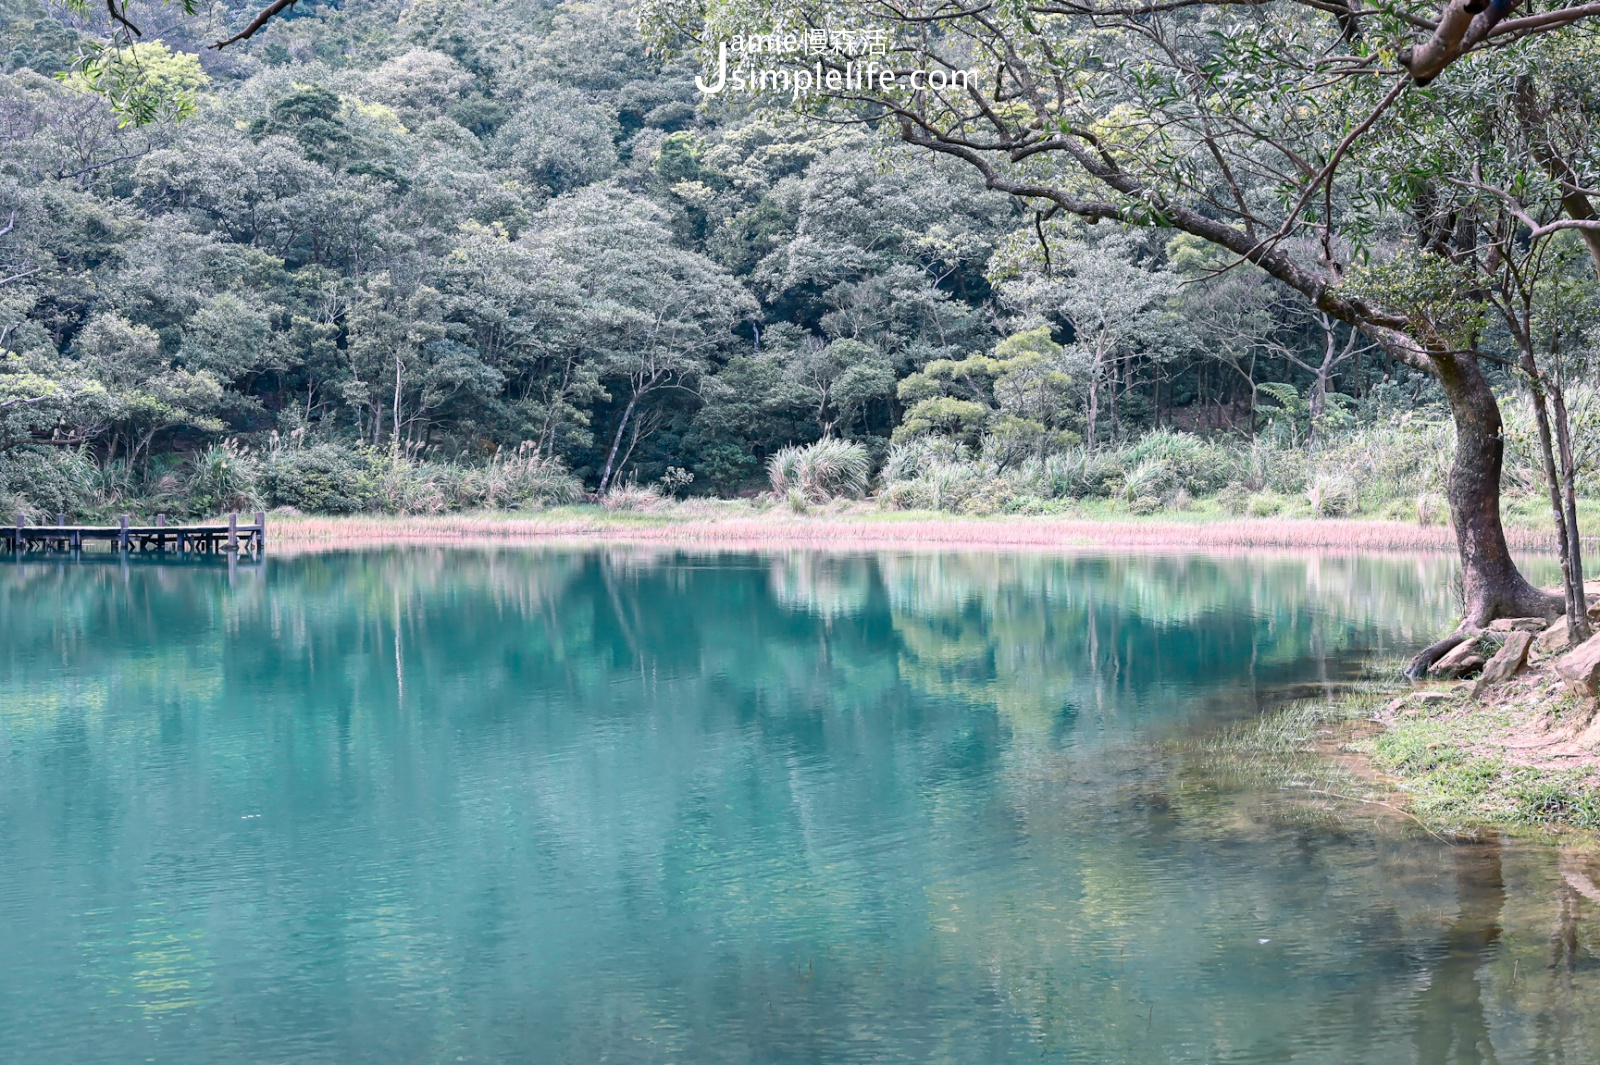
{"points": [[654, 316], [1018, 401], [1251, 133], [524, 311], [834, 380], [1112, 307], [410, 364], [144, 393], [1540, 304]]}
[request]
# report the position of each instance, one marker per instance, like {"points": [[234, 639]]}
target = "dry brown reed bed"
{"points": [[847, 531]]}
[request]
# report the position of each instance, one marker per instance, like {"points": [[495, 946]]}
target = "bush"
{"points": [[821, 471], [1144, 505], [35, 483], [1101, 474], [1332, 495], [411, 488], [1152, 479], [514, 480], [991, 496], [222, 478], [909, 460], [1234, 498], [1197, 465], [1524, 462], [1263, 505], [631, 497], [321, 479]]}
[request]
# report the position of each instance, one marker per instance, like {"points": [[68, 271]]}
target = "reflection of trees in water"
{"points": [[1451, 1027], [794, 749], [1476, 978], [1049, 639]]}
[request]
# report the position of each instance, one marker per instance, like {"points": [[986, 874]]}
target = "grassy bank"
{"points": [[859, 525], [1523, 756]]}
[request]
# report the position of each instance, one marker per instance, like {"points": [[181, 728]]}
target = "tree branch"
{"points": [[268, 13]]}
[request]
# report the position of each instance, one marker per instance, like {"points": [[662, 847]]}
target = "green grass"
{"points": [[1450, 785], [1432, 763]]}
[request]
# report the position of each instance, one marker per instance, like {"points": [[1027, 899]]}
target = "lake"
{"points": [[646, 806]]}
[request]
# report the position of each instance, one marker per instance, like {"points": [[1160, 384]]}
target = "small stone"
{"points": [[1419, 701], [1581, 668], [1556, 638], [1517, 624], [1462, 659], [1507, 662]]}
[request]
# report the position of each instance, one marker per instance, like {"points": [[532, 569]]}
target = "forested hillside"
{"points": [[462, 253]]}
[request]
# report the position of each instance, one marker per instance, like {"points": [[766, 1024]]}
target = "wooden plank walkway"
{"points": [[197, 539]]}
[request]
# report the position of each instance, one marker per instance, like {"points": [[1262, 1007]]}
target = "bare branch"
{"points": [[122, 17], [1549, 19], [23, 401], [268, 13]]}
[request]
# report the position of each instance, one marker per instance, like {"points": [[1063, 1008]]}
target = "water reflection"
{"points": [[659, 806]]}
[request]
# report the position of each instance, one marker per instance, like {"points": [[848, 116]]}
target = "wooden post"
{"points": [[17, 543], [61, 523], [161, 538], [122, 535], [233, 530], [261, 530]]}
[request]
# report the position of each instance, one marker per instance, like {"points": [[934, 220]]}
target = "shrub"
{"points": [[1197, 465], [1431, 509], [821, 471], [1144, 505], [35, 483], [1332, 495], [1234, 498], [222, 478], [1263, 505], [1274, 469], [517, 479], [1101, 474], [1153, 478], [1524, 462], [630, 497], [990, 496], [410, 488], [320, 479]]}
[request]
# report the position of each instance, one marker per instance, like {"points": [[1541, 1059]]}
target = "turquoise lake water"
{"points": [[633, 806]]}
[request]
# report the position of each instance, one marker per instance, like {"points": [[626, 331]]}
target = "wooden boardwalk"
{"points": [[122, 537]]}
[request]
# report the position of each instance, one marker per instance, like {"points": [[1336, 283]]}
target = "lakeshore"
{"points": [[1460, 757], [863, 526]]}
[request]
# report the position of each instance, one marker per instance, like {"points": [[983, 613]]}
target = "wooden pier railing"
{"points": [[124, 536]]}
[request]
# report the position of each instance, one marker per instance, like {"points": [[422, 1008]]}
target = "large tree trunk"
{"points": [[1492, 586]]}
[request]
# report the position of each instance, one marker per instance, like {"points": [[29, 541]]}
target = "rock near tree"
{"points": [[1581, 668], [1507, 662], [1463, 660], [1555, 639]]}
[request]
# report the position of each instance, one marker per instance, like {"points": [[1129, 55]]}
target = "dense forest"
{"points": [[455, 253]]}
